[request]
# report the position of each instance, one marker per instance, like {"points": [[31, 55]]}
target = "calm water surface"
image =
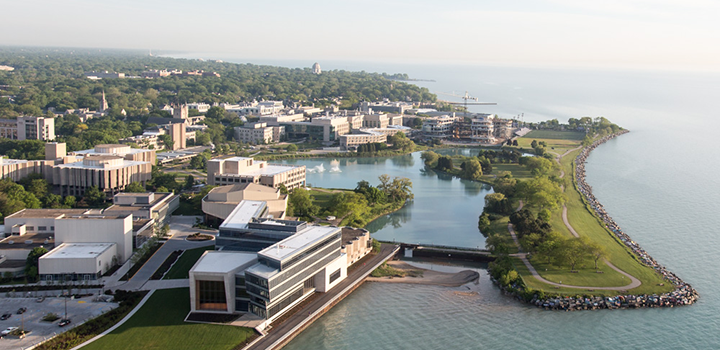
{"points": [[659, 182]]}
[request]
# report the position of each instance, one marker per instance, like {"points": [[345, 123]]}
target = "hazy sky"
{"points": [[647, 33]]}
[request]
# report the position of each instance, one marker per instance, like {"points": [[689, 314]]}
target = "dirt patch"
{"points": [[428, 277]]}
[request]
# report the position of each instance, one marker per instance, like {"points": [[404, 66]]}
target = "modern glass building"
{"points": [[293, 268]]}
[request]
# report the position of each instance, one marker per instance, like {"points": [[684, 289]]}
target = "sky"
{"points": [[673, 34]]}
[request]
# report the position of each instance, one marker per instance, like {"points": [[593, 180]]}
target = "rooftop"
{"points": [[45, 213], [77, 250], [297, 242], [28, 241], [81, 165], [222, 262], [242, 214]]}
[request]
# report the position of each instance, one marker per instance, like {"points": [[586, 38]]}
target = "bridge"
{"points": [[445, 252]]}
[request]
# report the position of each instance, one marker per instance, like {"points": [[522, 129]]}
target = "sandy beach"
{"points": [[428, 277]]}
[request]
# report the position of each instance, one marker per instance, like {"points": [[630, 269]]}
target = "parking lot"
{"points": [[78, 310]]}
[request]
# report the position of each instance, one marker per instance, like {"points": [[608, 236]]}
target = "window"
{"points": [[42, 228], [335, 275], [211, 295], [31, 228]]}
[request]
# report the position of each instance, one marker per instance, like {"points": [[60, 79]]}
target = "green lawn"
{"points": [[322, 198], [518, 171], [586, 224], [159, 325], [185, 263], [557, 141]]}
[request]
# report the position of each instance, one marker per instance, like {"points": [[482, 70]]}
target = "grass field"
{"points": [[159, 325], [186, 261], [322, 197], [557, 141], [586, 224], [517, 171]]}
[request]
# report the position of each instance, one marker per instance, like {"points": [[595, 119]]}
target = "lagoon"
{"points": [[445, 209]]}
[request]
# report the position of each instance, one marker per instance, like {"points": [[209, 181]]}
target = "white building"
{"points": [[259, 133], [77, 261], [28, 128]]}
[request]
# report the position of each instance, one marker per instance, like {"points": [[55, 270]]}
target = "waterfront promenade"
{"points": [[320, 303]]}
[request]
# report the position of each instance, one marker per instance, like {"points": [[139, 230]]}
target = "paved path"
{"points": [[634, 282], [275, 335], [180, 228], [120, 323]]}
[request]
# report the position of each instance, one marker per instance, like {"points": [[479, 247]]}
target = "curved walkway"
{"points": [[634, 282]]}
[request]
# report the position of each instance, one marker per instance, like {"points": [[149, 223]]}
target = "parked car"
{"points": [[21, 310], [40, 299], [7, 331], [64, 322], [5, 316]]}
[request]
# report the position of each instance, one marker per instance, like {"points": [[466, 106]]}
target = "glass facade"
{"points": [[211, 295]]}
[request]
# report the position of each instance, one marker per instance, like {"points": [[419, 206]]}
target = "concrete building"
{"points": [[93, 228], [77, 261], [385, 106], [238, 170], [177, 133], [438, 127], [217, 282], [28, 128], [259, 133], [17, 169], [181, 112], [157, 206], [273, 280], [356, 244], [376, 121], [277, 119], [199, 106], [361, 137], [104, 75], [222, 200], [316, 68], [108, 167]]}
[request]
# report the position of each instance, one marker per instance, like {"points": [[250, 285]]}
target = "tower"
{"points": [[103, 103], [316, 68]]}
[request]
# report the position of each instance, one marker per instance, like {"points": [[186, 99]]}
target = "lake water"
{"points": [[659, 182], [452, 204]]}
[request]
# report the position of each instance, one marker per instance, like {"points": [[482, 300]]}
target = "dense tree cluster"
{"points": [[55, 78]]}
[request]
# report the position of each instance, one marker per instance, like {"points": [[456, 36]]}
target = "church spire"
{"points": [[103, 103]]}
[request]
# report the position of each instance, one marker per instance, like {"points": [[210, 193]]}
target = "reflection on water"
{"points": [[395, 219], [403, 161], [444, 209]]}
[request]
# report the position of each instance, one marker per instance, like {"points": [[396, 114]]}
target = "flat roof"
{"points": [[45, 213], [268, 169], [36, 240], [77, 250], [222, 262], [159, 197], [297, 242], [243, 213], [80, 165]]}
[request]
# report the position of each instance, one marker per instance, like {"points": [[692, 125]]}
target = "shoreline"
{"points": [[683, 294], [429, 277]]}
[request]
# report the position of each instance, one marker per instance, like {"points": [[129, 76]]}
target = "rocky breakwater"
{"points": [[684, 293]]}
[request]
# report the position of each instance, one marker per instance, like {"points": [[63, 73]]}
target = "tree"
{"points": [[445, 163], [167, 140], [541, 192], [189, 182], [94, 197], [596, 251], [302, 203], [31, 262], [497, 203], [534, 143], [484, 224], [430, 158], [473, 170], [292, 148], [134, 187], [572, 252]]}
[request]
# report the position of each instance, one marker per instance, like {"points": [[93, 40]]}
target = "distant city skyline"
{"points": [[670, 34]]}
